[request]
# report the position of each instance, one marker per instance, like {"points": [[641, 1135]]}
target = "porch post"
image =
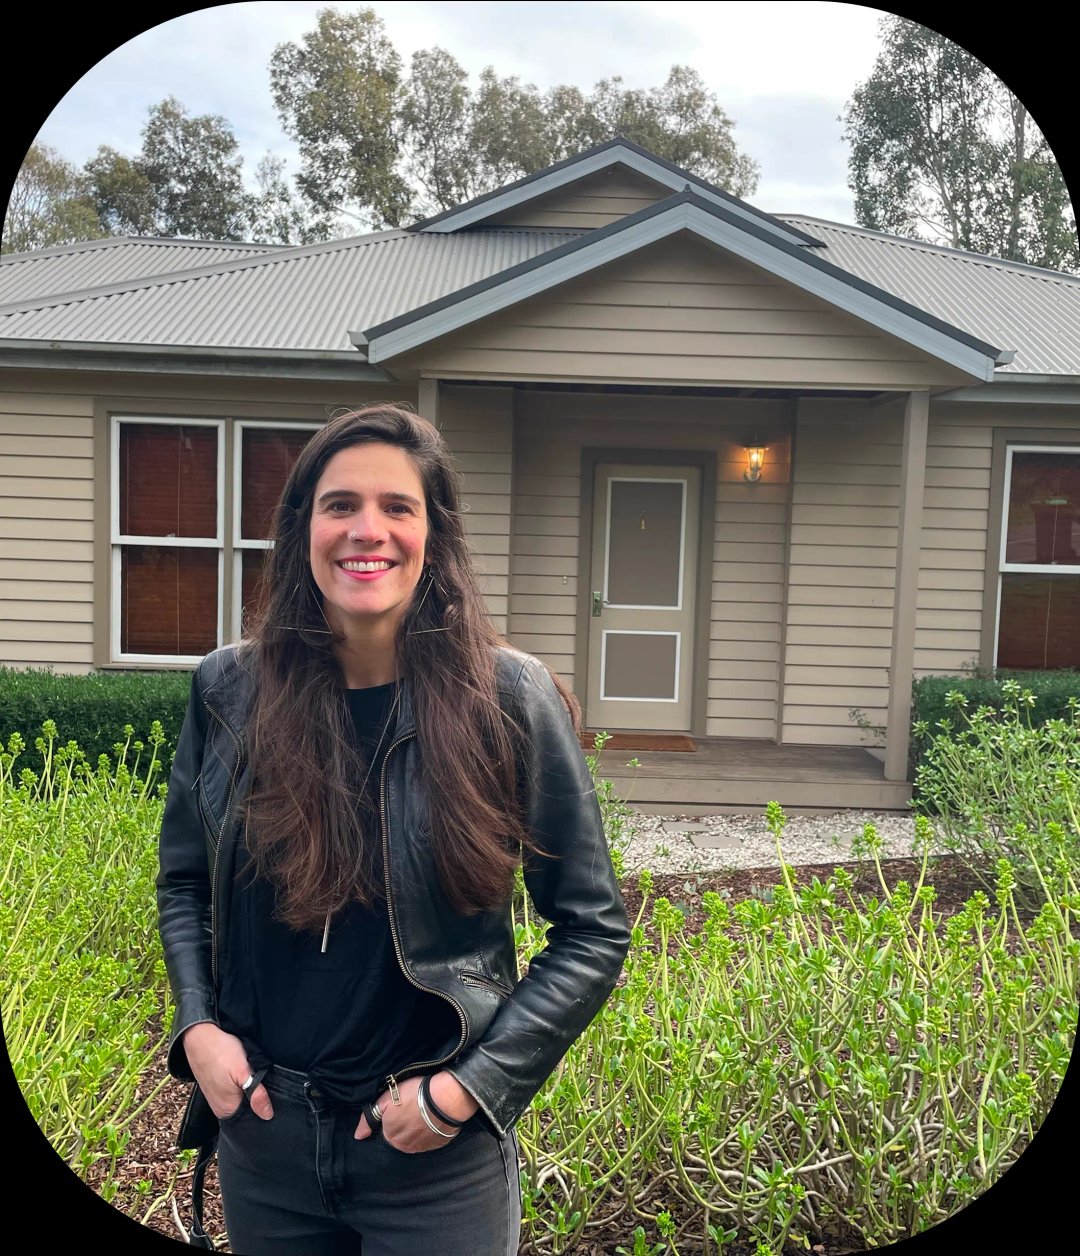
{"points": [[427, 400], [908, 549]]}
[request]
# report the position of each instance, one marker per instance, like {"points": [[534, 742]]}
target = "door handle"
{"points": [[597, 604]]}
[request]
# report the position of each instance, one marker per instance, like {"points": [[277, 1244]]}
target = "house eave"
{"points": [[337, 365], [1018, 389]]}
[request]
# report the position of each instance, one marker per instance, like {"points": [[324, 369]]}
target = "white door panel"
{"points": [[644, 577]]}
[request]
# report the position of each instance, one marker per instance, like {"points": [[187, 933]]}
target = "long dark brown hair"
{"points": [[306, 813]]}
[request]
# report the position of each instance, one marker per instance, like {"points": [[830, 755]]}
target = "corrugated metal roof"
{"points": [[309, 298], [1034, 311], [67, 268]]}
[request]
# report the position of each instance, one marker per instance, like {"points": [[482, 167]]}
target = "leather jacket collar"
{"points": [[230, 686]]}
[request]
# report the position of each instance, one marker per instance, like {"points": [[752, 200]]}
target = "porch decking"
{"points": [[733, 774]]}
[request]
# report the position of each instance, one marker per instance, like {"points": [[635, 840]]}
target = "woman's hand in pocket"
{"points": [[220, 1065], [402, 1125]]}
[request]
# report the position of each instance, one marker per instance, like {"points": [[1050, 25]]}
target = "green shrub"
{"points": [[821, 1062], [93, 710], [617, 815], [824, 1065], [85, 997], [1002, 784], [930, 705]]}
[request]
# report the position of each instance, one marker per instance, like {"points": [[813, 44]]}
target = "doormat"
{"points": [[641, 741]]}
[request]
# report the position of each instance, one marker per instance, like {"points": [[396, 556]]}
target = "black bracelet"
{"points": [[446, 1120]]}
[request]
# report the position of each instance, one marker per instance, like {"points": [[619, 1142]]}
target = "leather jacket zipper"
{"points": [[485, 983], [221, 833], [392, 1079]]}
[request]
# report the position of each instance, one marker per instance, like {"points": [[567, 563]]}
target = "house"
{"points": [[735, 476]]}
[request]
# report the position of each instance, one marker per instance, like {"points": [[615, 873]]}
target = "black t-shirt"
{"points": [[348, 1016]]}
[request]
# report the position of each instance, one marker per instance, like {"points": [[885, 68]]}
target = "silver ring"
{"points": [[247, 1085], [376, 1109]]}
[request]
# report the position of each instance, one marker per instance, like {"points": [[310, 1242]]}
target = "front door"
{"points": [[643, 582]]}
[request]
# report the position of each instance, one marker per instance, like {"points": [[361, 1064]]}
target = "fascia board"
{"points": [[334, 365], [593, 165], [551, 182], [1008, 390], [180, 351], [643, 165], [791, 268], [830, 288]]}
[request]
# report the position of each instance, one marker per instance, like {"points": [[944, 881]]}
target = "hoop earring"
{"points": [[416, 632], [322, 632]]}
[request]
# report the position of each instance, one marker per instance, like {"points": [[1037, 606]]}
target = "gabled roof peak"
{"points": [[722, 224], [601, 157]]}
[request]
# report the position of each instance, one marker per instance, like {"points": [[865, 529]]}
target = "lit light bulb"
{"points": [[755, 460]]}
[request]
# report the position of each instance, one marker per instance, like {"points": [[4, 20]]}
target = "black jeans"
{"points": [[300, 1184]]}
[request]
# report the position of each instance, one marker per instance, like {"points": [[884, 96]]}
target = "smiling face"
{"points": [[367, 539]]}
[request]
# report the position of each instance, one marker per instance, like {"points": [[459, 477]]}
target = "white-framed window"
{"points": [[1038, 602], [263, 455], [185, 554]]}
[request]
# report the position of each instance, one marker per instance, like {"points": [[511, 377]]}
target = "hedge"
{"points": [[1052, 692], [93, 709]]}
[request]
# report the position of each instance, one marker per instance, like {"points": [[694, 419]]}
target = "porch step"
{"points": [[733, 773], [678, 795]]}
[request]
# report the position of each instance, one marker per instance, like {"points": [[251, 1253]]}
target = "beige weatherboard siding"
{"points": [[680, 311], [845, 500], [478, 426], [739, 647], [594, 201], [46, 529], [956, 508], [844, 518], [54, 491], [747, 596], [957, 574]]}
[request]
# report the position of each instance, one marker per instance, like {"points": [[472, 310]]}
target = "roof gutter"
{"points": [[332, 365], [1009, 389]]}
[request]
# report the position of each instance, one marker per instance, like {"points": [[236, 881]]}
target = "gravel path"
{"points": [[706, 843]]}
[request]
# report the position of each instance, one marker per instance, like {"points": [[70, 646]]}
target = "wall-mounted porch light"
{"points": [[755, 460]]}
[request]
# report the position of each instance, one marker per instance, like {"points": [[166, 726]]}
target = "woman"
{"points": [[351, 794]]}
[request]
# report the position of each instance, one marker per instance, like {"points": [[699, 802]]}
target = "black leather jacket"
{"points": [[513, 1033]]}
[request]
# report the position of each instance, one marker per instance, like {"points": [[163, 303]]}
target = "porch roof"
{"points": [[684, 212]]}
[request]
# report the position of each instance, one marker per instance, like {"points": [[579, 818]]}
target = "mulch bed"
{"points": [[150, 1155]]}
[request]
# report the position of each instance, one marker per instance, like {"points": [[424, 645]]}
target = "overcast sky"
{"points": [[781, 71]]}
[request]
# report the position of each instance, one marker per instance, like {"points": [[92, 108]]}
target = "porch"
{"points": [[734, 774]]}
